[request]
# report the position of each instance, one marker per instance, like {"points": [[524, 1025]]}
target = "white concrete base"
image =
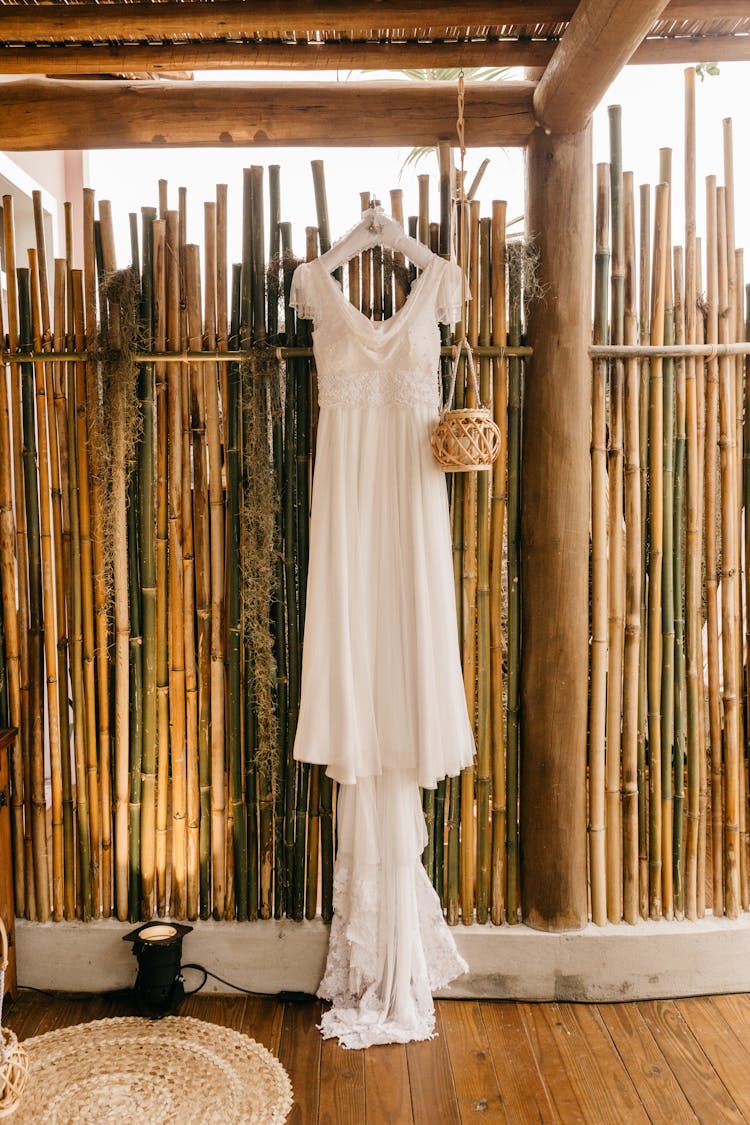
{"points": [[647, 961]]}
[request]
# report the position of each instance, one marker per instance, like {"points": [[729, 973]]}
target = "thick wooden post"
{"points": [[555, 485]]}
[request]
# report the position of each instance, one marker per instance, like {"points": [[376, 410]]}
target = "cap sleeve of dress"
{"points": [[303, 296], [449, 310]]}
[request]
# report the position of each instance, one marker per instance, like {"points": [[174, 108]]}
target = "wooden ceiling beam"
{"points": [[32, 23], [142, 58], [171, 57], [599, 40], [49, 114]]}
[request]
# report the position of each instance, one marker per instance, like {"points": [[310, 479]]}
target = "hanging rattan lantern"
{"points": [[465, 441]]}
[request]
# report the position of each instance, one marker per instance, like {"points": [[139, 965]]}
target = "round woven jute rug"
{"points": [[139, 1071]]}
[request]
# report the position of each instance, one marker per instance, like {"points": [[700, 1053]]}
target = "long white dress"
{"points": [[382, 703]]}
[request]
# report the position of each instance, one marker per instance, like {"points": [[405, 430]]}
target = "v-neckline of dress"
{"points": [[380, 327]]}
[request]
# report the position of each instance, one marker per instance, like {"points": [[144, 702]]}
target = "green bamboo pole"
{"points": [[644, 273], [36, 620], [633, 573], [497, 528], [680, 684], [711, 524], [599, 854], [147, 528], [656, 554], [234, 639], [668, 612], [514, 588], [75, 377], [136, 701], [484, 740]]}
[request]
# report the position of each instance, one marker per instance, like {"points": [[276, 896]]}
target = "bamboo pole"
{"points": [[656, 553], [76, 377], [616, 571], [693, 551], [27, 902], [98, 471], [10, 627], [634, 579], [728, 578], [497, 527], [470, 582], [680, 685], [148, 592], [700, 384], [177, 702], [484, 715], [514, 591], [48, 618], [711, 523], [643, 430], [162, 589], [668, 614], [598, 851], [36, 619]]}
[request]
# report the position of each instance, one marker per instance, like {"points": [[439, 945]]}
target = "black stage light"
{"points": [[159, 987]]}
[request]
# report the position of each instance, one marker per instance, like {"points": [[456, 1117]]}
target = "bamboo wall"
{"points": [[156, 458], [669, 718]]}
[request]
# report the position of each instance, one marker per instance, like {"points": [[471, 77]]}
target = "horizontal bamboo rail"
{"points": [[644, 351], [178, 56], [491, 350], [43, 114]]}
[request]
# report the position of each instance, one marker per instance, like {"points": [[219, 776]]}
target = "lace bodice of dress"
{"points": [[391, 362]]}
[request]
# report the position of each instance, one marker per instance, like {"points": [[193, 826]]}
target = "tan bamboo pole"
{"points": [[75, 374], [499, 332], [189, 375], [37, 796], [27, 903], [711, 517], [98, 472], [643, 415], [10, 626], [484, 716], [217, 530], [700, 389], [470, 581], [162, 591], [599, 593], [198, 793], [616, 570], [693, 545], [633, 574], [744, 456], [63, 300], [48, 593], [399, 262], [667, 617], [177, 700], [732, 320], [121, 605], [680, 676], [728, 576], [656, 509]]}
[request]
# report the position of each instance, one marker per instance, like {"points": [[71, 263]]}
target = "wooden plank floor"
{"points": [[493, 1061]]}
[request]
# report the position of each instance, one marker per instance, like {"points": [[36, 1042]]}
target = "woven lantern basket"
{"points": [[465, 441], [14, 1062]]}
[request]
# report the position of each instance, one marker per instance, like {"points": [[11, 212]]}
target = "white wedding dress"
{"points": [[382, 702]]}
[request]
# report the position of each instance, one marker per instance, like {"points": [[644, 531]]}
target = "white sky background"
{"points": [[652, 100]]}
